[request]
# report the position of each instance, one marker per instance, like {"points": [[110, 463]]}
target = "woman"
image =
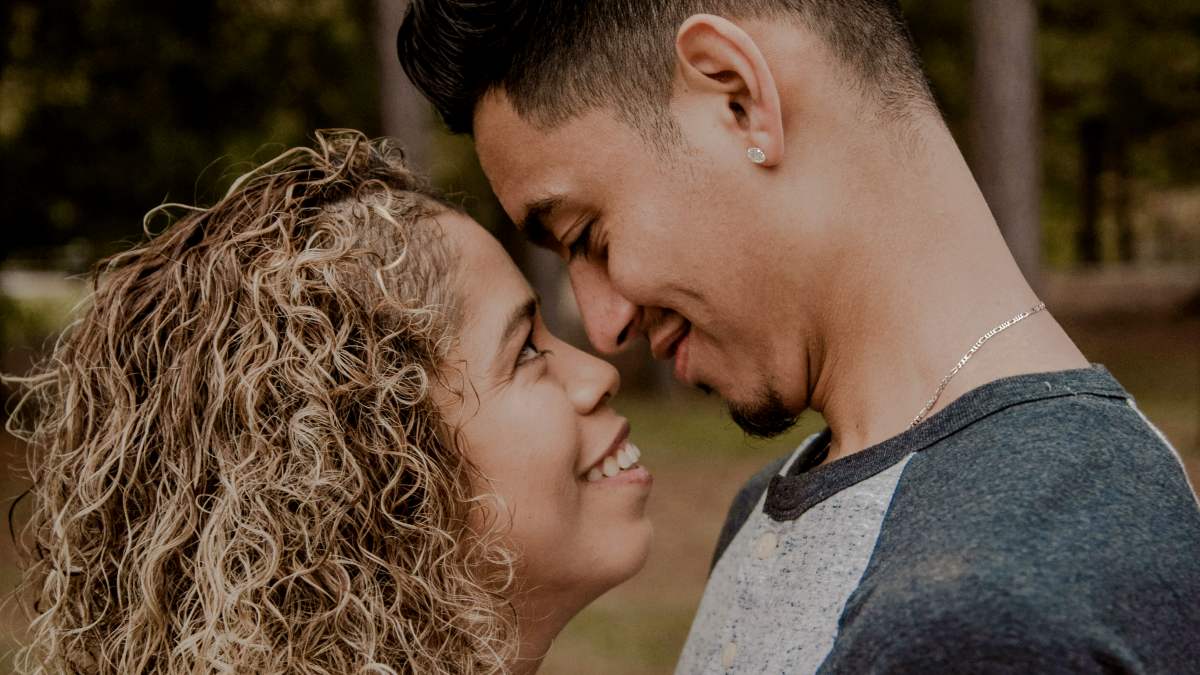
{"points": [[320, 427]]}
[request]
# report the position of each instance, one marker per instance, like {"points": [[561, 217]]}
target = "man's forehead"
{"points": [[509, 149], [527, 163]]}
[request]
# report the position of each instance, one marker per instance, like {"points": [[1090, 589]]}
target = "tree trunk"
{"points": [[404, 112], [1005, 124], [1123, 199], [1091, 150]]}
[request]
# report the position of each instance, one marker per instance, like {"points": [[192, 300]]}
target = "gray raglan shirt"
{"points": [[1039, 523]]}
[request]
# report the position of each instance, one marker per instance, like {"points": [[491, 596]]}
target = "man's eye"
{"points": [[582, 246]]}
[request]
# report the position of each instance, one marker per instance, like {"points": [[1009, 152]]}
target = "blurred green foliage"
{"points": [[1120, 83], [30, 322], [108, 108]]}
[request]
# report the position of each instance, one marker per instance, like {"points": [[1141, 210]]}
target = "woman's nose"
{"points": [[589, 381]]}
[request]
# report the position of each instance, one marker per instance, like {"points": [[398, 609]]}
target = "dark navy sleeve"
{"points": [[956, 626], [1065, 543]]}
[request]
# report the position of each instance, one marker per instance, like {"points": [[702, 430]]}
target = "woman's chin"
{"points": [[629, 559], [609, 566], [648, 541]]}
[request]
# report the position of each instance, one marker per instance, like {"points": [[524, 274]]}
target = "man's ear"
{"points": [[716, 56]]}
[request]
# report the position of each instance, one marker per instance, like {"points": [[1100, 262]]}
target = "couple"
{"points": [[320, 426]]}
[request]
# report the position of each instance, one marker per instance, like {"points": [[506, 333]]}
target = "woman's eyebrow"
{"points": [[517, 318]]}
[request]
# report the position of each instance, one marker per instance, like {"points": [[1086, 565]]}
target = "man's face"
{"points": [[675, 245]]}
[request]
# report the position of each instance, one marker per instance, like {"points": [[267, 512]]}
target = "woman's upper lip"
{"points": [[618, 441], [663, 345]]}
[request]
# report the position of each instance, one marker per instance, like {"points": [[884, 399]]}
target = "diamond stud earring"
{"points": [[756, 154]]}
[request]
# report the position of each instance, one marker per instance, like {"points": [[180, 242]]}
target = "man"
{"points": [[765, 190]]}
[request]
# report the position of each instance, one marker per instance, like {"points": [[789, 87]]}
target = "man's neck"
{"points": [[878, 397], [934, 279]]}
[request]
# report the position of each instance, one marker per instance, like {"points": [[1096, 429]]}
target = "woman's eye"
{"points": [[529, 352]]}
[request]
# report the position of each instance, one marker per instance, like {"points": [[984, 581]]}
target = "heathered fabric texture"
{"points": [[804, 570], [746, 500], [1036, 524]]}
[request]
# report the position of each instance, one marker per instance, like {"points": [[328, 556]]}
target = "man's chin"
{"points": [[765, 417]]}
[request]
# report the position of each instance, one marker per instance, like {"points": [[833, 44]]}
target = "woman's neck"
{"points": [[541, 616]]}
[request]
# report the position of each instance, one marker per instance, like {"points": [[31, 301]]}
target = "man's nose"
{"points": [[609, 318]]}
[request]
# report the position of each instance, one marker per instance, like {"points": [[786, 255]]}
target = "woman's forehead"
{"points": [[490, 285]]}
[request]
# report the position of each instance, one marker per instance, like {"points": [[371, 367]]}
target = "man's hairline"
{"points": [[499, 94], [538, 233], [661, 117], [666, 145], [869, 87], [535, 229]]}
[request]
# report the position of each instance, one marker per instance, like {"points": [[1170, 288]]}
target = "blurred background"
{"points": [[1081, 119]]}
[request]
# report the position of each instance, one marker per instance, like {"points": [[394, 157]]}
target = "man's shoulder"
{"points": [[1063, 485], [1065, 527], [939, 620], [1073, 452]]}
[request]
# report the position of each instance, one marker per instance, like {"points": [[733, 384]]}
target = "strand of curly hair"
{"points": [[237, 465]]}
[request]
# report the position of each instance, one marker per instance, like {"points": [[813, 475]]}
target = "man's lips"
{"points": [[682, 352], [664, 345]]}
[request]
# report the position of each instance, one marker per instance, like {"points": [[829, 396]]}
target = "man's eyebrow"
{"points": [[537, 214], [517, 318]]}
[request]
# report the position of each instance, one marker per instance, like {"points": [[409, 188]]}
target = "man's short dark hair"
{"points": [[557, 58]]}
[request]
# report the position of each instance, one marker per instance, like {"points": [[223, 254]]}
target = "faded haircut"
{"points": [[557, 58]]}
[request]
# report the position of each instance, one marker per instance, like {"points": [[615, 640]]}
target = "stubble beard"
{"points": [[765, 416]]}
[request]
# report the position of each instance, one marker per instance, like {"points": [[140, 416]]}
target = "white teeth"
{"points": [[623, 459], [610, 467]]}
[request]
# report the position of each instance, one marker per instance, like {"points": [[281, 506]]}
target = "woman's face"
{"points": [[535, 421]]}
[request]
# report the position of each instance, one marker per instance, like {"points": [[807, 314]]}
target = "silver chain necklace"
{"points": [[967, 357]]}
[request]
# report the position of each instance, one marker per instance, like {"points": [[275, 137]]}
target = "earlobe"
{"points": [[717, 58]]}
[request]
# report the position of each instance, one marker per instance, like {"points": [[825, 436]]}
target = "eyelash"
{"points": [[582, 246], [522, 359]]}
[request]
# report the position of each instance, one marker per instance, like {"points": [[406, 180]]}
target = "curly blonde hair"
{"points": [[237, 462]]}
